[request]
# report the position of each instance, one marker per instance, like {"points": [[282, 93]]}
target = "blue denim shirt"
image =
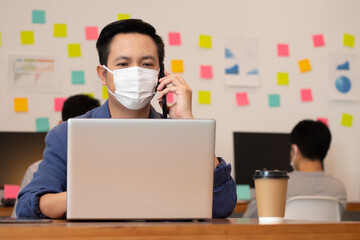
{"points": [[51, 174]]}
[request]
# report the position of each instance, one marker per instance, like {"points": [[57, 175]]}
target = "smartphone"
{"points": [[163, 100]]}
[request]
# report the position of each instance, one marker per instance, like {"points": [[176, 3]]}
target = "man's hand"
{"points": [[53, 205]]}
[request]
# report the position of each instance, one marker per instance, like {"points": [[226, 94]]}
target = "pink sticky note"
{"points": [[242, 99], [58, 104], [283, 50], [11, 191], [318, 40], [206, 71], [174, 38], [91, 33], [306, 95], [170, 97], [323, 120]]}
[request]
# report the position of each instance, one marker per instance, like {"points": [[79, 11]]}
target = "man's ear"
{"points": [[101, 72]]}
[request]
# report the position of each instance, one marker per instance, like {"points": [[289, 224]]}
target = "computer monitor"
{"points": [[18, 150], [256, 151]]}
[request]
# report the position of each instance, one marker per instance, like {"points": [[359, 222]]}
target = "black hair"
{"points": [[128, 26], [312, 138], [77, 105]]}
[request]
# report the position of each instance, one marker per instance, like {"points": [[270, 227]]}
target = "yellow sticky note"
{"points": [[74, 50], [27, 37], [282, 78], [20, 104], [349, 40], [177, 66], [304, 65], [205, 41], [60, 30], [122, 16], [347, 120], [105, 94], [0, 38], [91, 95], [204, 97]]}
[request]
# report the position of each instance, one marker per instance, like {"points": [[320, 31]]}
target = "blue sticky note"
{"points": [[38, 16], [77, 77], [243, 192], [42, 124], [274, 100]]}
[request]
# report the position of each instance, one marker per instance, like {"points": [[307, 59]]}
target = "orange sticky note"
{"points": [[60, 30], [242, 99], [27, 37], [306, 95], [204, 97], [20, 104], [206, 71], [170, 97], [74, 50], [174, 38], [11, 191], [122, 16], [91, 33], [177, 66], [304, 65], [205, 41], [58, 104]]}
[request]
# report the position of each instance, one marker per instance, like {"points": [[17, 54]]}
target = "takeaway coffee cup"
{"points": [[271, 187]]}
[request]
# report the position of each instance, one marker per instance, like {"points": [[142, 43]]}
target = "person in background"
{"points": [[74, 106], [131, 57], [310, 142]]}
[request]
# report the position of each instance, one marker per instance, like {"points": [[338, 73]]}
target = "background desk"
{"points": [[233, 228]]}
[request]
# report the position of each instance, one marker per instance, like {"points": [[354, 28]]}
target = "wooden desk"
{"points": [[235, 228]]}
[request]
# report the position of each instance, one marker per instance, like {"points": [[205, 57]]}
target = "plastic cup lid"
{"points": [[274, 174]]}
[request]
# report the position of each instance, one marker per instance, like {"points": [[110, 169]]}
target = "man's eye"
{"points": [[122, 64], [148, 64]]}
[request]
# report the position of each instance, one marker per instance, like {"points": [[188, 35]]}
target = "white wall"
{"points": [[271, 21]]}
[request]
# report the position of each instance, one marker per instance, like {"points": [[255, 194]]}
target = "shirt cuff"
{"points": [[221, 173]]}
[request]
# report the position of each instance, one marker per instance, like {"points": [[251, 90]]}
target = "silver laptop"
{"points": [[140, 168]]}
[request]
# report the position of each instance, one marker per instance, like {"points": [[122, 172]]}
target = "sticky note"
{"points": [[91, 33], [60, 30], [205, 41], [206, 71], [11, 191], [174, 38], [347, 120], [38, 16], [20, 104], [349, 40], [306, 95], [274, 100], [323, 120], [177, 66], [122, 16], [204, 97], [77, 77], [27, 37], [42, 124], [283, 50], [74, 50], [242, 99], [105, 94], [243, 192], [304, 65], [91, 95], [0, 38], [170, 97], [58, 104], [282, 78], [318, 40]]}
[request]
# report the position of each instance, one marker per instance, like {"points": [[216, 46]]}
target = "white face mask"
{"points": [[134, 86], [292, 161]]}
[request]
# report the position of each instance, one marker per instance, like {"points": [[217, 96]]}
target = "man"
{"points": [[131, 57], [310, 142]]}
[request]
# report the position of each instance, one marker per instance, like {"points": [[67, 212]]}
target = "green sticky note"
{"points": [[38, 16], [42, 124], [77, 77], [27, 37], [274, 100], [60, 30], [204, 97], [105, 94], [74, 50], [347, 120], [349, 40], [282, 78], [205, 41], [243, 192], [122, 16]]}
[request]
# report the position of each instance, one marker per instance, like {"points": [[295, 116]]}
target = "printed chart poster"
{"points": [[34, 73], [344, 76], [242, 62]]}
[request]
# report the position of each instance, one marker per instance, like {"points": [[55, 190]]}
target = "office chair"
{"points": [[313, 208]]}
